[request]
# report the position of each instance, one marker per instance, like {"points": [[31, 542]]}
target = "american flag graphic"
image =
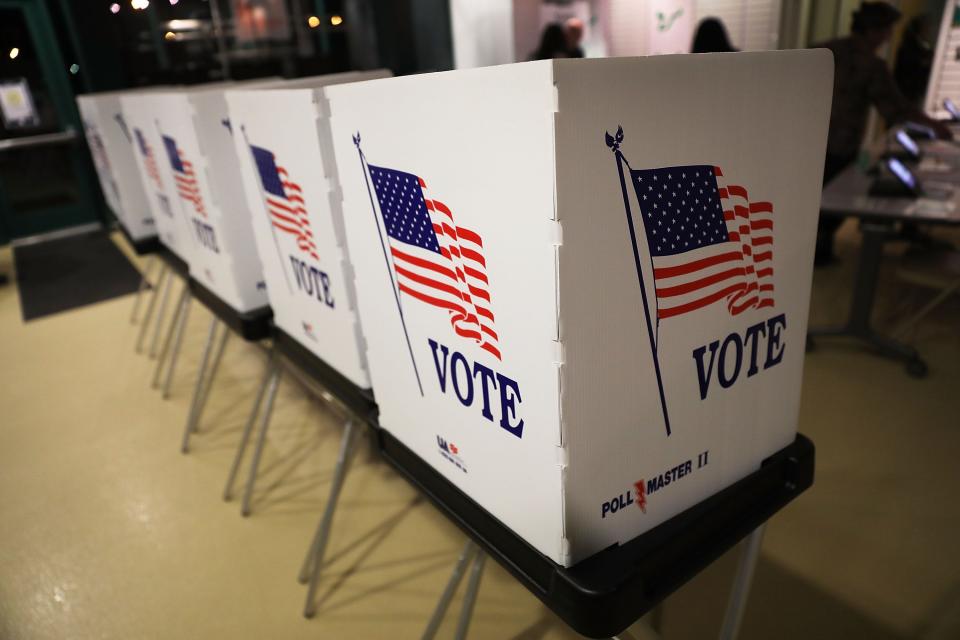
{"points": [[436, 261], [284, 201], [708, 242], [149, 161], [184, 176]]}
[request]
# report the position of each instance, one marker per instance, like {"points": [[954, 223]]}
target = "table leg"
{"points": [[858, 323]]}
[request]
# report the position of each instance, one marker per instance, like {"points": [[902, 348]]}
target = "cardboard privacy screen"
{"points": [[109, 139], [584, 284], [141, 111], [282, 142], [198, 151]]}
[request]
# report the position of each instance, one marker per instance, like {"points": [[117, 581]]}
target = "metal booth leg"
{"points": [[470, 596], [315, 553], [177, 342], [211, 376], [261, 438], [144, 281], [468, 555], [737, 603], [161, 278], [168, 338], [198, 387], [161, 311], [248, 427]]}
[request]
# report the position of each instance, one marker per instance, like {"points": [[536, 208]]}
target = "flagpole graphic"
{"points": [[183, 213], [273, 232], [393, 286], [614, 144]]}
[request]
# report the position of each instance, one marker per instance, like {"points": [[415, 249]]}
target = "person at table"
{"points": [[911, 71], [711, 37], [553, 44], [861, 80], [573, 30]]}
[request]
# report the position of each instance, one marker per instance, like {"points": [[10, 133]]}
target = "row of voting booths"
{"points": [[569, 298]]}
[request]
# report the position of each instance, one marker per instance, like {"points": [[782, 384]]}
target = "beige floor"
{"points": [[107, 531]]}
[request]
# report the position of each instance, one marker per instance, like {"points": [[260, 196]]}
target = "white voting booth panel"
{"points": [[286, 163], [198, 151], [109, 140], [142, 112], [587, 328]]}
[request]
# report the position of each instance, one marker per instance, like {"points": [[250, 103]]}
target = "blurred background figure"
{"points": [[711, 37], [553, 44], [573, 29], [861, 79], [914, 60]]}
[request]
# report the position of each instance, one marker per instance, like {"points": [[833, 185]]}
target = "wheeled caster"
{"points": [[917, 368]]}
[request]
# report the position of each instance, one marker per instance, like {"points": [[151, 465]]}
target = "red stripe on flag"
{"points": [[427, 282], [696, 265], [492, 349], [698, 304], [437, 302], [737, 190], [424, 264], [687, 287]]}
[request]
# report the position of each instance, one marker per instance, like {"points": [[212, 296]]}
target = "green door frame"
{"points": [[88, 209]]}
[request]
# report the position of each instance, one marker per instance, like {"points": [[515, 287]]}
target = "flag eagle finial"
{"points": [[614, 141]]}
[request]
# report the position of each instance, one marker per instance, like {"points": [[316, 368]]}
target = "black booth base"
{"points": [[173, 262], [358, 400], [606, 593], [250, 325], [144, 246]]}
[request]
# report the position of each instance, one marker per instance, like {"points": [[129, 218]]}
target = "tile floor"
{"points": [[107, 531]]}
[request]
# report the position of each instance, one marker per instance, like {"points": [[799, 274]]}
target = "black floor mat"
{"points": [[59, 275]]}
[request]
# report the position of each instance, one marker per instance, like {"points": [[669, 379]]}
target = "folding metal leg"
{"points": [[210, 377], [314, 560], [927, 308], [160, 313], [470, 550], [161, 278], [177, 342], [737, 603], [261, 438], [198, 387], [470, 596], [168, 339], [248, 427], [144, 282]]}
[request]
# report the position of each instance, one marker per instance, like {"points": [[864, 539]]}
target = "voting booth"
{"points": [[142, 111], [282, 143], [584, 284], [109, 140], [197, 150]]}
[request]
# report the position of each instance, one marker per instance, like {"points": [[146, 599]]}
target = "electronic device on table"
{"points": [[896, 180], [952, 109]]}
